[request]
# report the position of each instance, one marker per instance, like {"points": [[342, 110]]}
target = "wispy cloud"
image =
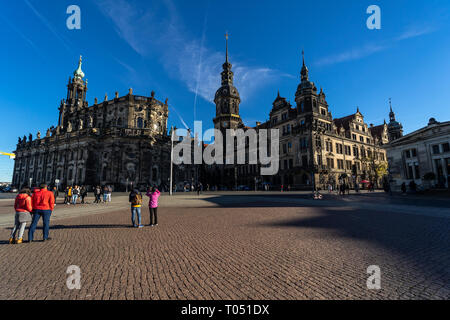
{"points": [[158, 30], [352, 54], [416, 31], [61, 39], [369, 49]]}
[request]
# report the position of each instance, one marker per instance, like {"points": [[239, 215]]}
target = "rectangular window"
{"points": [[416, 170], [340, 164], [289, 146], [414, 152], [285, 164], [410, 172], [284, 148], [348, 150], [407, 154], [291, 163], [349, 164], [446, 148], [354, 136], [436, 149], [330, 163]]}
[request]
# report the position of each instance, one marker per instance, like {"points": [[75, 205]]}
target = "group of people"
{"points": [[136, 200], [31, 206], [72, 194]]}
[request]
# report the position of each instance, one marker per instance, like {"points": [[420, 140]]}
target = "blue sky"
{"points": [[176, 48]]}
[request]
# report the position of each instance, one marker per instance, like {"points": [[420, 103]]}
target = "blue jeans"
{"points": [[135, 211], [37, 214], [74, 199]]}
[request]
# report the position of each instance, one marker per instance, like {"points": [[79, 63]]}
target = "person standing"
{"points": [[75, 194], [23, 207], [135, 198], [153, 205], [403, 187], [97, 192], [105, 193], [55, 193], [66, 195], [83, 193], [43, 203], [109, 193]]}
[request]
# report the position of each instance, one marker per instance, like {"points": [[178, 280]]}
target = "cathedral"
{"points": [[316, 150], [122, 142]]}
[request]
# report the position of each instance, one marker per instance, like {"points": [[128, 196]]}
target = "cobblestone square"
{"points": [[248, 245]]}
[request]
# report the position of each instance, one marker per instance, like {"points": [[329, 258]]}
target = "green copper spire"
{"points": [[79, 73]]}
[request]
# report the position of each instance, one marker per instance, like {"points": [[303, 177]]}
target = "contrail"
{"points": [[179, 116], [49, 27], [200, 64], [31, 43]]}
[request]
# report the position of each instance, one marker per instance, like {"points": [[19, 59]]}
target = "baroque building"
{"points": [[120, 142], [315, 149]]}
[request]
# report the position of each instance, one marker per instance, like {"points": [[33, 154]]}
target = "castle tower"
{"points": [[227, 99], [310, 104], [395, 128]]}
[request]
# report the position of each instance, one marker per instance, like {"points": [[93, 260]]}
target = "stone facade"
{"points": [[121, 141], [315, 149], [419, 153]]}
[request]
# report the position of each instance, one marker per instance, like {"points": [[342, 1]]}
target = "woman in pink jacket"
{"points": [[153, 205]]}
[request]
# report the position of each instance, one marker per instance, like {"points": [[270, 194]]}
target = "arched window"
{"points": [[140, 123]]}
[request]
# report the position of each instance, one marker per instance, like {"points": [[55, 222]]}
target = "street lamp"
{"points": [[171, 160]]}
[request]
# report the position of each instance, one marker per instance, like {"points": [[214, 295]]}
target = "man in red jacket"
{"points": [[43, 204]]}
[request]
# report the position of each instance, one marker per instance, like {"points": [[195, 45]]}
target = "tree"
{"points": [[375, 167]]}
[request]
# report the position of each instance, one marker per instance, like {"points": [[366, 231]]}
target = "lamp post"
{"points": [[171, 160]]}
